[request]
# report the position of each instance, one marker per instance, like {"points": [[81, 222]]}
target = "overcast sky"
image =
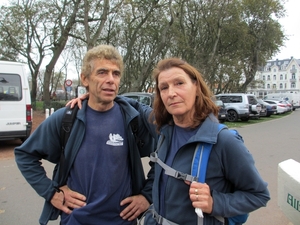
{"points": [[291, 26]]}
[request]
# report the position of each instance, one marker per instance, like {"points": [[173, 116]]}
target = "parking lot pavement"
{"points": [[271, 143], [19, 203]]}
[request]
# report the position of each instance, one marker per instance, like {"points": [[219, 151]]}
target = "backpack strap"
{"points": [[65, 131], [134, 123], [199, 167], [170, 171], [200, 159]]}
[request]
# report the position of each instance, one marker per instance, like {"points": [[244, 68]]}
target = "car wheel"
{"points": [[232, 116]]}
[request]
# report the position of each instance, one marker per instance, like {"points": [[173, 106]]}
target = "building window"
{"points": [[293, 85], [269, 77], [274, 70], [281, 86], [281, 77], [264, 77], [284, 86], [293, 76], [274, 86], [285, 77], [274, 77], [268, 86]]}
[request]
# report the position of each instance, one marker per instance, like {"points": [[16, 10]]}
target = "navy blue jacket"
{"points": [[44, 143], [235, 184]]}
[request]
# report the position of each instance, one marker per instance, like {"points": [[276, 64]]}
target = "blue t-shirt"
{"points": [[180, 136], [101, 170]]}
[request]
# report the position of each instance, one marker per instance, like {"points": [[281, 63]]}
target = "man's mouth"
{"points": [[108, 90]]}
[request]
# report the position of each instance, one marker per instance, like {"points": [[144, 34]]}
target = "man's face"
{"points": [[103, 84]]}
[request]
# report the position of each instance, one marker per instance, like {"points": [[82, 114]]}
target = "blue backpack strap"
{"points": [[201, 156], [200, 161], [199, 167]]}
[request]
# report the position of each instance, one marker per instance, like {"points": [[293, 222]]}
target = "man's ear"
{"points": [[84, 80]]}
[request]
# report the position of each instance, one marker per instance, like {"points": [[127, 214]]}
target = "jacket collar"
{"points": [[130, 111], [207, 131]]}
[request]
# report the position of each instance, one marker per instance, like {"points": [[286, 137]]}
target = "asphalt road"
{"points": [[270, 143]]}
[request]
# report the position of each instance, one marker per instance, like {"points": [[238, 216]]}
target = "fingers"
{"points": [[136, 205], [78, 101], [58, 202], [69, 102], [66, 200], [201, 197], [73, 199], [84, 96]]}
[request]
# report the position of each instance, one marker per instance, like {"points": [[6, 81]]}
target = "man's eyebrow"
{"points": [[106, 69]]}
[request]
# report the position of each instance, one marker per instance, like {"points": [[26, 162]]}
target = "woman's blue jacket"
{"points": [[235, 184]]}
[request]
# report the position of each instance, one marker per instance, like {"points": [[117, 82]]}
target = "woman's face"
{"points": [[178, 93]]}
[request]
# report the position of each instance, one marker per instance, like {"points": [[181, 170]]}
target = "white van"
{"points": [[15, 102], [293, 97]]}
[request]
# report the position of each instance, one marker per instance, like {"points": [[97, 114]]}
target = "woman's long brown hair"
{"points": [[204, 104]]}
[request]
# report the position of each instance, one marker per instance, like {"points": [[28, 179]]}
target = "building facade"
{"points": [[277, 76]]}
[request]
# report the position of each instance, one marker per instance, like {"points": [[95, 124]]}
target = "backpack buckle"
{"points": [[180, 175], [185, 177]]}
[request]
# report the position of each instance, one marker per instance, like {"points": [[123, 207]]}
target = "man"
{"points": [[102, 180]]}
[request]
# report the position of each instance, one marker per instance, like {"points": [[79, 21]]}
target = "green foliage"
{"points": [[53, 104], [39, 105], [225, 40], [57, 104]]}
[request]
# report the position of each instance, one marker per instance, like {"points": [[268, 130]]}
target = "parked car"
{"points": [[222, 115], [289, 105], [280, 107], [270, 108], [263, 111], [240, 106], [142, 97]]}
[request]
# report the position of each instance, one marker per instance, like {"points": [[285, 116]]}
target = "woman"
{"points": [[185, 115]]}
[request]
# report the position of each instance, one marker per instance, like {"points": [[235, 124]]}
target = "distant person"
{"points": [[103, 180]]}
